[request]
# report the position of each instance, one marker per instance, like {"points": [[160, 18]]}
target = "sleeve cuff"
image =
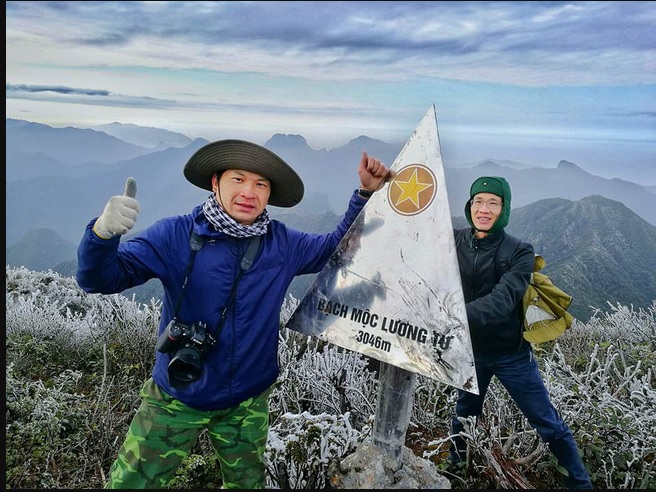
{"points": [[364, 193]]}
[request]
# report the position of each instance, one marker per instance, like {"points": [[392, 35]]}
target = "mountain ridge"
{"points": [[578, 221], [595, 249]]}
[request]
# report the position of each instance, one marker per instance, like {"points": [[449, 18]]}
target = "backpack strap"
{"points": [[461, 235], [504, 254], [502, 260]]}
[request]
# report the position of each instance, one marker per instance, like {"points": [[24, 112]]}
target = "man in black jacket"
{"points": [[495, 323]]}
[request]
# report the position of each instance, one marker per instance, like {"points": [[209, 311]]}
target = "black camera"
{"points": [[187, 344]]}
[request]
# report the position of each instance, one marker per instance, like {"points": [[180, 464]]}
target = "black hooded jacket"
{"points": [[493, 305]]}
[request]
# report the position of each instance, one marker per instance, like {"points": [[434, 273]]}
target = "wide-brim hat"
{"points": [[287, 187]]}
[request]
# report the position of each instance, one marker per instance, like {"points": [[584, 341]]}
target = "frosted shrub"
{"points": [[75, 363], [46, 306], [53, 330], [601, 379], [323, 378], [302, 447], [321, 409], [46, 424], [610, 405]]}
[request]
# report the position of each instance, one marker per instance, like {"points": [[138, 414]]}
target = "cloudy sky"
{"points": [[533, 82]]}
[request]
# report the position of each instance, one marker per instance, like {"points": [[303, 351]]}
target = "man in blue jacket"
{"points": [[495, 323], [216, 357]]}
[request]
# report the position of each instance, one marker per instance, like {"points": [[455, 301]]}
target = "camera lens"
{"points": [[185, 367]]}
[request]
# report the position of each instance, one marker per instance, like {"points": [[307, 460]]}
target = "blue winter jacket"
{"points": [[244, 360]]}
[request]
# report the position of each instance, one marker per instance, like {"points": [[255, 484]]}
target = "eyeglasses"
{"points": [[493, 205]]}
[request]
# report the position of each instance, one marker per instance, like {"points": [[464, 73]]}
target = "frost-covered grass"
{"points": [[75, 363]]}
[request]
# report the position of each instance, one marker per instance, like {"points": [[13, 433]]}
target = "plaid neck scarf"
{"points": [[226, 224]]}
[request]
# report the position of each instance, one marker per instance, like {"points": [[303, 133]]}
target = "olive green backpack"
{"points": [[544, 304]]}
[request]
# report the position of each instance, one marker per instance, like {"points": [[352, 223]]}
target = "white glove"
{"points": [[120, 213]]}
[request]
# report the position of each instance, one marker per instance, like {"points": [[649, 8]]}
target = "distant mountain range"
{"points": [[597, 234], [153, 138]]}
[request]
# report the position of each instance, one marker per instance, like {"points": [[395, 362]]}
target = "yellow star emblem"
{"points": [[412, 190]]}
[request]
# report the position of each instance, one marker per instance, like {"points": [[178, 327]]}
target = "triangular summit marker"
{"points": [[392, 289]]}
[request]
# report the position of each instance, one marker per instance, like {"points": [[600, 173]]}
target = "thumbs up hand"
{"points": [[120, 213]]}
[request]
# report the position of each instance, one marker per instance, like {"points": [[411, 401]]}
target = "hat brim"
{"points": [[287, 187]]}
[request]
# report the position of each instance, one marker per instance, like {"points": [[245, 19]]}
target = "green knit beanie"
{"points": [[498, 186]]}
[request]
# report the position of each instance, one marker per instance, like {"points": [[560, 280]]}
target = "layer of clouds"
{"points": [[538, 81], [524, 43]]}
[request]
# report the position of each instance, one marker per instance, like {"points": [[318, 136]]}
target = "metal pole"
{"points": [[393, 411]]}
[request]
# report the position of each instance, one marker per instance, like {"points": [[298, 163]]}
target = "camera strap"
{"points": [[245, 263], [196, 243]]}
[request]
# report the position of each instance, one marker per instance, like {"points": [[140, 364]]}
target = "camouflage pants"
{"points": [[164, 430]]}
